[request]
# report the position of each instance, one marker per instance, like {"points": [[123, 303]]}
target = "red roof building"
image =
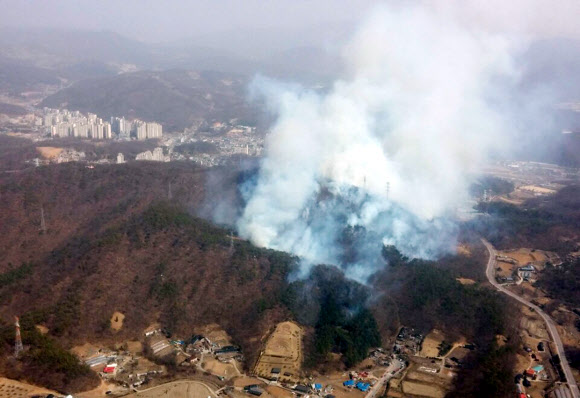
{"points": [[110, 368], [530, 372]]}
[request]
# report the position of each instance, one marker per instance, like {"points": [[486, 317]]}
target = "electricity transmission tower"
{"points": [[18, 340]]}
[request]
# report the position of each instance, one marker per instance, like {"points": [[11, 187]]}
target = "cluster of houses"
{"points": [[380, 357], [189, 351], [117, 365], [526, 273], [304, 391], [534, 373], [359, 385], [359, 380], [300, 390], [408, 341]]}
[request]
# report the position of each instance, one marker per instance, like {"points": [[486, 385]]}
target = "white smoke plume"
{"points": [[386, 155]]}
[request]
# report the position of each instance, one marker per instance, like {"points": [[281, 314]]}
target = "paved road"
{"points": [[489, 272], [396, 366]]}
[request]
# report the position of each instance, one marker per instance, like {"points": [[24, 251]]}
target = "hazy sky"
{"points": [[173, 19], [165, 20]]}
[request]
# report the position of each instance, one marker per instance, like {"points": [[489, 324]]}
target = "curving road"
{"points": [[489, 272]]}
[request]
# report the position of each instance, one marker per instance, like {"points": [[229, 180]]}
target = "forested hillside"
{"points": [[125, 238], [115, 241], [426, 295], [547, 223], [174, 98]]}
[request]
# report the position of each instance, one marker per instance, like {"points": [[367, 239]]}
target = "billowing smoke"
{"points": [[385, 156]]}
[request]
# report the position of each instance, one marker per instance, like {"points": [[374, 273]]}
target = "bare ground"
{"points": [[430, 347], [177, 389], [15, 389], [117, 321]]}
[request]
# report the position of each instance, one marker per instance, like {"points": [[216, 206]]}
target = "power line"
{"points": [[42, 220]]}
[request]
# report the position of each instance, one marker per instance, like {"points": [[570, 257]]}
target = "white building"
{"points": [[107, 132], [141, 130], [80, 130], [155, 156], [154, 130], [97, 131]]}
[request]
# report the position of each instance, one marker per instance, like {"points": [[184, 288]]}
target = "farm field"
{"points": [[283, 350], [176, 389]]}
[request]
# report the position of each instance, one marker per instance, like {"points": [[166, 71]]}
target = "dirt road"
{"points": [[395, 367], [489, 272]]}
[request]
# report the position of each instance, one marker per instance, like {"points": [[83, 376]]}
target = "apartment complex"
{"points": [[65, 123]]}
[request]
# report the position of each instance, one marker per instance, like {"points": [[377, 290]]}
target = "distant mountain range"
{"points": [[16, 77], [73, 55], [111, 75], [108, 74], [91, 54]]}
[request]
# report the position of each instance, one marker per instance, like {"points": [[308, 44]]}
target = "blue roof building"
{"points": [[362, 386]]}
